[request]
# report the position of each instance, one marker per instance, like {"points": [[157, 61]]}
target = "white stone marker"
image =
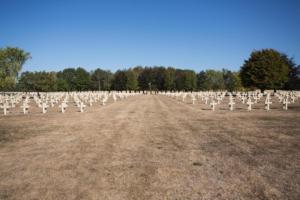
{"points": [[44, 108], [231, 103], [25, 108], [5, 108], [82, 106], [268, 102], [212, 105], [63, 107], [193, 99], [104, 100], [249, 103], [286, 102]]}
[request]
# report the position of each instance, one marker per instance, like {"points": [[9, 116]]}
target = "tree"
{"points": [[37, 81], [11, 62], [294, 79], [67, 79], [232, 80], [131, 80], [265, 69], [169, 79], [214, 80], [146, 79], [202, 81], [293, 82], [120, 80], [101, 79], [82, 80]]}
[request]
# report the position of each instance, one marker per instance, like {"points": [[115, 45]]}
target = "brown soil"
{"points": [[151, 147]]}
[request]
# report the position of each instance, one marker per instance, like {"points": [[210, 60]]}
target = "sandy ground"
{"points": [[151, 147]]}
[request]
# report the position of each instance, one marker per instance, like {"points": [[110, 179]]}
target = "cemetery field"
{"points": [[152, 147]]}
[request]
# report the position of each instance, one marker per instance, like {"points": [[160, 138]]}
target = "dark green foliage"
{"points": [[169, 79], [232, 80], [202, 81], [67, 79], [293, 82], [120, 80], [72, 79], [265, 69], [294, 79], [37, 81], [185, 80], [131, 80], [11, 62], [82, 80], [101, 79]]}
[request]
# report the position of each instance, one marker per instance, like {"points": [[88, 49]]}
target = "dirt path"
{"points": [[151, 147]]}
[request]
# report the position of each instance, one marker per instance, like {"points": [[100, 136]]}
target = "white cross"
{"points": [[63, 107], [212, 104], [249, 103], [206, 100], [243, 99], [256, 98], [44, 107], [104, 100], [82, 106], [25, 107], [193, 99], [268, 102], [114, 97], [5, 108], [286, 102], [231, 103]]}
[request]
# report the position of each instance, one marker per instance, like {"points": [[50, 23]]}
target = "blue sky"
{"points": [[120, 34]]}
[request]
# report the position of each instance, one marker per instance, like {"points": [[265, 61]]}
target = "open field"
{"points": [[151, 147]]}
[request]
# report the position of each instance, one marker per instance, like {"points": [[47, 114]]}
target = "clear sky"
{"points": [[111, 34]]}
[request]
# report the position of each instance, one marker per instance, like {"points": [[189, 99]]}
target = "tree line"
{"points": [[265, 69]]}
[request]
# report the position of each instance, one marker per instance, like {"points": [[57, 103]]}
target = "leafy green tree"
{"points": [[146, 79], [214, 80], [169, 79], [231, 80], [131, 80], [62, 85], [120, 80], [265, 69], [82, 80], [101, 79], [293, 82], [37, 81], [68, 76], [202, 81], [11, 62]]}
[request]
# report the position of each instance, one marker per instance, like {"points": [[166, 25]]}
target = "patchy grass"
{"points": [[151, 147]]}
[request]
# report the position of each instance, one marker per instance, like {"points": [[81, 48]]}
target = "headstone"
{"points": [[212, 105], [25, 108], [249, 103], [268, 102], [231, 103], [286, 102], [44, 108], [5, 108], [63, 107], [82, 106]]}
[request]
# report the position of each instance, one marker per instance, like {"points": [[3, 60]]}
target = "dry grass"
{"points": [[151, 147]]}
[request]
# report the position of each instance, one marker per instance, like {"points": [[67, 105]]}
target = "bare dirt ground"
{"points": [[151, 147]]}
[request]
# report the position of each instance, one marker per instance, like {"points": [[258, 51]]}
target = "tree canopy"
{"points": [[265, 69], [11, 61]]}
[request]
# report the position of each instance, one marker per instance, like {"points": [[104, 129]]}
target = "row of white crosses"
{"points": [[46, 100], [248, 98]]}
